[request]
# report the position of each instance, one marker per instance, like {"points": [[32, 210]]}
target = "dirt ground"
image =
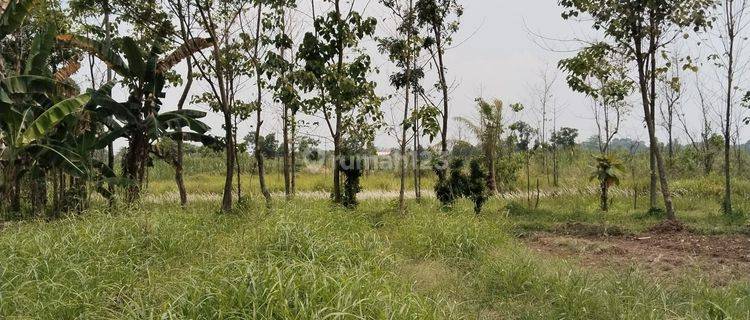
{"points": [[660, 251]]}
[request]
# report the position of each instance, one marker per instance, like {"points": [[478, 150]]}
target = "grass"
{"points": [[308, 260]]}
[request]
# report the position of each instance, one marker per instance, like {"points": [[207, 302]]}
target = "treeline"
{"points": [[241, 58], [59, 132]]}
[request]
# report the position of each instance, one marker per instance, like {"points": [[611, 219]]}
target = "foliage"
{"points": [[564, 138], [607, 168], [460, 185], [139, 118]]}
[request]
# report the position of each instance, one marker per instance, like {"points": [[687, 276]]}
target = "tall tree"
{"points": [[441, 19], [403, 50], [637, 30], [336, 72], [219, 20], [732, 24], [280, 67]]}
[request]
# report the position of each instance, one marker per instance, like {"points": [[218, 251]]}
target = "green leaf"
{"points": [[41, 50], [98, 49], [135, 57], [13, 16], [204, 139], [52, 116], [184, 118], [104, 140], [31, 84], [109, 107]]}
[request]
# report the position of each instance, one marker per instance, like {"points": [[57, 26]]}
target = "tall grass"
{"points": [[308, 260]]}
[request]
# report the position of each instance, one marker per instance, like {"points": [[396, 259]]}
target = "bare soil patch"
{"points": [[662, 251]]}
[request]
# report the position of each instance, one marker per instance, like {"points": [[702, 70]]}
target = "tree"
{"points": [[219, 20], [562, 139], [440, 18], [488, 129], [523, 135], [732, 23], [637, 30], [565, 138], [336, 72], [403, 50], [182, 12], [145, 75], [607, 168], [277, 65]]}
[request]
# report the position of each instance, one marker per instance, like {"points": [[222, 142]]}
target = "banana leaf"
{"points": [[41, 50], [98, 49], [13, 16], [52, 116]]}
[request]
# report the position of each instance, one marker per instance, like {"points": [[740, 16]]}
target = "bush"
{"points": [[459, 185]]}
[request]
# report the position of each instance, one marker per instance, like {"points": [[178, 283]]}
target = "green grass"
{"points": [[308, 260]]}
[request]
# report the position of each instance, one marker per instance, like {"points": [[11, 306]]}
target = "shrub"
{"points": [[459, 185]]}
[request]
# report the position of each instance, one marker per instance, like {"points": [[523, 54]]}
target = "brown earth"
{"points": [[662, 251]]}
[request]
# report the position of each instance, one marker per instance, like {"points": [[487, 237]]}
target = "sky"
{"points": [[502, 51]]}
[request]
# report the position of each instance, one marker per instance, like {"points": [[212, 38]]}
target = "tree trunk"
{"points": [[336, 169], [226, 202], [649, 109], [604, 199], [259, 109], [237, 161], [12, 188], [287, 156], [179, 180], [727, 203], [293, 155], [404, 127], [110, 146], [417, 144], [444, 89], [134, 166]]}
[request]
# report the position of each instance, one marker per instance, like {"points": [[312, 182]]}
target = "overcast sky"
{"points": [[498, 53]]}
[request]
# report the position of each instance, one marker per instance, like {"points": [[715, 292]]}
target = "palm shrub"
{"points": [[139, 119]]}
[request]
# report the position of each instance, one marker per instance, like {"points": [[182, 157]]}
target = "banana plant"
{"points": [[607, 169], [139, 119], [11, 18], [32, 105]]}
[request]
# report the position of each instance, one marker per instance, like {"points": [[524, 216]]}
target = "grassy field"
{"points": [[307, 260]]}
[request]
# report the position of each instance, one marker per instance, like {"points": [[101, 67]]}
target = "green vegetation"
{"points": [[302, 260], [537, 226]]}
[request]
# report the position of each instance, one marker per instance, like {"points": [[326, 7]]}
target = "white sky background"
{"points": [[496, 54]]}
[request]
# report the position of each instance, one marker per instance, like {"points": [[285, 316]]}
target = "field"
{"points": [[306, 259]]}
